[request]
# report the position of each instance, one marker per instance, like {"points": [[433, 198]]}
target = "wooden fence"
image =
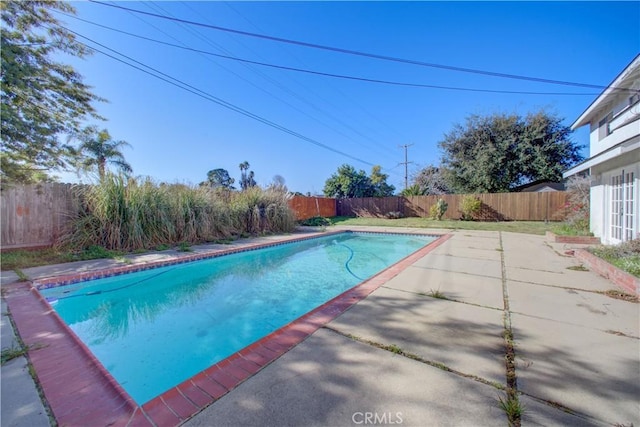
{"points": [[544, 206], [35, 215], [308, 207]]}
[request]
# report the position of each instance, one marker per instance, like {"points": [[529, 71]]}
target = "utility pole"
{"points": [[406, 164]]}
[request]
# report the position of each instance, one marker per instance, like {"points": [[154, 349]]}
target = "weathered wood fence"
{"points": [[36, 215], [308, 207], [543, 206]]}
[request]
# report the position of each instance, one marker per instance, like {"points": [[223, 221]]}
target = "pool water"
{"points": [[154, 329]]}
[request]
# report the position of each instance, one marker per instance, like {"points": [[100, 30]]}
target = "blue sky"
{"points": [[177, 136]]}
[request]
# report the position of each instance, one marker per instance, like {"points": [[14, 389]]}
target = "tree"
{"points": [[499, 152], [431, 180], [379, 182], [348, 183], [278, 184], [97, 149], [219, 178], [247, 180], [41, 98]]}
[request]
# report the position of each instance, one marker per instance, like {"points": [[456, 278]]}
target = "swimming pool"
{"points": [[155, 328]]}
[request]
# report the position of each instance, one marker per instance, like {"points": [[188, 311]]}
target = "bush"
{"points": [[577, 206], [129, 214], [394, 215], [438, 210], [470, 207], [316, 221]]}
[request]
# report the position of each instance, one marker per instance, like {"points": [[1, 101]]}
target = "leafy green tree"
{"points": [[97, 149], [431, 180], [348, 183], [379, 182], [247, 180], [499, 152], [41, 98], [219, 178]]}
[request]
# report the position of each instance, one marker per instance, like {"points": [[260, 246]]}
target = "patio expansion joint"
{"points": [[564, 408], [512, 395], [567, 288], [445, 298], [457, 272], [606, 331], [416, 358]]}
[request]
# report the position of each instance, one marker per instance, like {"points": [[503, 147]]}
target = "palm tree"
{"points": [[97, 149], [244, 167]]}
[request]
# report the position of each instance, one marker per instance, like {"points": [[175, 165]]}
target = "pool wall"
{"points": [[78, 388]]}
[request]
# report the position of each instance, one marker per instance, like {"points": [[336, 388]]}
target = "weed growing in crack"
{"points": [[12, 353], [394, 349], [437, 294], [512, 407]]}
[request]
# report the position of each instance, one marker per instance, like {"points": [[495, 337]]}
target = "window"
{"points": [[616, 207], [603, 127], [629, 192], [623, 206]]}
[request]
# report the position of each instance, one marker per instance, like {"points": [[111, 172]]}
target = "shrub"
{"points": [[577, 206], [316, 221], [394, 215], [128, 214], [470, 207], [438, 210]]}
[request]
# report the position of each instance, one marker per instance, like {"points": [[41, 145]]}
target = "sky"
{"points": [[303, 126]]}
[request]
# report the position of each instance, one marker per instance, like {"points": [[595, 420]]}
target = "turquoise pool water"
{"points": [[156, 328]]}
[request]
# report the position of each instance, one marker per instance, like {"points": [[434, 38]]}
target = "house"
{"points": [[614, 158], [540, 186]]}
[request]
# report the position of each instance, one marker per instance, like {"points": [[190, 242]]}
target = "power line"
{"points": [[332, 101], [364, 54], [205, 95], [320, 73], [208, 55], [300, 97]]}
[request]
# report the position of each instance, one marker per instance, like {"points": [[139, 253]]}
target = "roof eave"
{"points": [[585, 117]]}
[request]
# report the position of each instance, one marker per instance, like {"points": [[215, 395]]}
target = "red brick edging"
{"points": [[80, 390], [582, 240], [620, 278]]}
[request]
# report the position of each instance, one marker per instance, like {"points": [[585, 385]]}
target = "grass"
{"points": [[20, 259], [12, 260], [568, 230], [528, 227], [128, 214], [625, 256], [513, 408]]}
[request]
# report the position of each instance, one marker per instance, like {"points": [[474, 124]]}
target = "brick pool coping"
{"points": [[78, 388]]}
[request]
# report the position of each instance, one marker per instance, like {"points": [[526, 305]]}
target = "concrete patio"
{"points": [[428, 348]]}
